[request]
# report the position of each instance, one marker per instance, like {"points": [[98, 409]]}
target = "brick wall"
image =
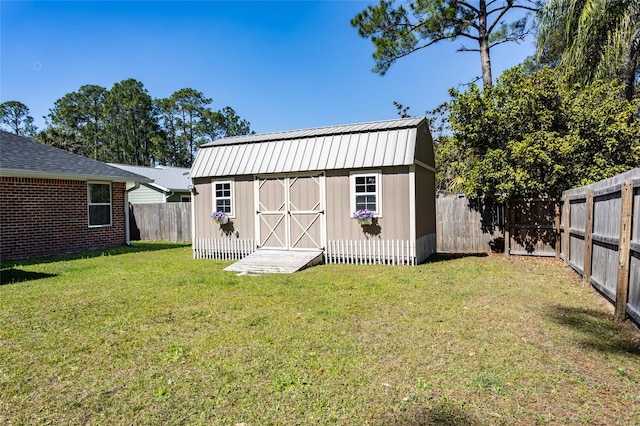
{"points": [[43, 217]]}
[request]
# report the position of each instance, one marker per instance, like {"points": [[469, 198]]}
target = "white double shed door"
{"points": [[290, 211]]}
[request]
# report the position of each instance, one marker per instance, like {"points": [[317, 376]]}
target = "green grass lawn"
{"points": [[148, 335]]}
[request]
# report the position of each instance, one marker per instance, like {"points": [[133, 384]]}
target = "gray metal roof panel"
{"points": [[21, 156], [166, 178], [319, 131], [365, 145]]}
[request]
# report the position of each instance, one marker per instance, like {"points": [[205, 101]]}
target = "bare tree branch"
{"points": [[469, 6]]}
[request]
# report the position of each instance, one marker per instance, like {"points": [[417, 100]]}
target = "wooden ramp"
{"points": [[265, 261]]}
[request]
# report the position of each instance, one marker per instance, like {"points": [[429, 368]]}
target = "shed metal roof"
{"points": [[24, 157], [351, 146]]}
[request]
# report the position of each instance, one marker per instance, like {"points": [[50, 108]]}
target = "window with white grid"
{"points": [[366, 194], [223, 197]]}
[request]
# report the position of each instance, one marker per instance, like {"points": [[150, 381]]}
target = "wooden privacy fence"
{"points": [[462, 226], [600, 238], [468, 226], [160, 222]]}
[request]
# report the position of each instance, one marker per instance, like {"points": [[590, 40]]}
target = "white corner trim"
{"points": [[412, 202], [425, 166]]}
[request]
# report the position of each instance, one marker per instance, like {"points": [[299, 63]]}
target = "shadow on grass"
{"points": [[14, 276], [598, 330], [445, 412], [136, 247], [443, 257]]}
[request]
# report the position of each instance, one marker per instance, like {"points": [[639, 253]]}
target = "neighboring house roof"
{"points": [[24, 157], [165, 178], [373, 144]]}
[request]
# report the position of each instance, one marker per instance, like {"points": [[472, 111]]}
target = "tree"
{"points": [[187, 122], [397, 31], [535, 135], [591, 40], [172, 152], [130, 124], [190, 104], [230, 124], [402, 111], [125, 125], [225, 123], [80, 115], [16, 116], [58, 137]]}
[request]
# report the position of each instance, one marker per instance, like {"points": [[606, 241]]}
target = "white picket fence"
{"points": [[227, 249], [390, 252]]}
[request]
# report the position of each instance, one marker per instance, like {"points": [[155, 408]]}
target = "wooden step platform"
{"points": [[264, 261]]}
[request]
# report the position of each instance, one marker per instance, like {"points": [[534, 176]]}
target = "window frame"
{"points": [[89, 204], [231, 197], [378, 193]]}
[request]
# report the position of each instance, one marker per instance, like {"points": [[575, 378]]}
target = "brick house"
{"points": [[53, 201]]}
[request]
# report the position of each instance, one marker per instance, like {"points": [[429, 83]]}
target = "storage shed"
{"points": [[298, 190]]}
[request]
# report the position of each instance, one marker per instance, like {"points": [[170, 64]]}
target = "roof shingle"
{"points": [[20, 156]]}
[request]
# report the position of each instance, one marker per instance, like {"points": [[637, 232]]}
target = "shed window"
{"points": [[223, 197], [365, 192], [99, 196]]}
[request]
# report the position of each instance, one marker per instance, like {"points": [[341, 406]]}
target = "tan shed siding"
{"points": [[201, 205], [395, 199], [425, 202], [245, 210], [244, 220], [424, 146], [394, 223]]}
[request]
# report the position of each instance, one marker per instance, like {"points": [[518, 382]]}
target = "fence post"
{"points": [[622, 287], [566, 240], [507, 231], [588, 239], [557, 223]]}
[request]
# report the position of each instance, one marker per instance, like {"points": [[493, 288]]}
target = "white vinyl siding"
{"points": [[223, 197], [99, 198], [146, 195], [366, 192]]}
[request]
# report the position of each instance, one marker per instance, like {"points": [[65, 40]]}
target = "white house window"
{"points": [[99, 196], [365, 192], [223, 197]]}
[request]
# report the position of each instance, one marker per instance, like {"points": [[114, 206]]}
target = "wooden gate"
{"points": [[290, 212], [531, 227]]}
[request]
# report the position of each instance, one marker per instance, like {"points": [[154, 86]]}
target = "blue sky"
{"points": [[280, 65]]}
